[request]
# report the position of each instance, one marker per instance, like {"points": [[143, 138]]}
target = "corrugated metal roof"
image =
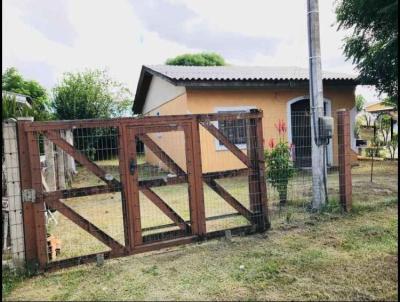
{"points": [[242, 73]]}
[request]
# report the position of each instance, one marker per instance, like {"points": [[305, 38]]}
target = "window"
{"points": [[235, 131]]}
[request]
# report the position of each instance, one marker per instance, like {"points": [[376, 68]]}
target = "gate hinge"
{"points": [[28, 195]]}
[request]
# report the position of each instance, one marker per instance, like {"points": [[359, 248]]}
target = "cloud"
{"points": [[46, 38], [176, 22]]}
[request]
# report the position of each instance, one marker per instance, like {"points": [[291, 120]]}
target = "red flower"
{"points": [[271, 143], [281, 127]]}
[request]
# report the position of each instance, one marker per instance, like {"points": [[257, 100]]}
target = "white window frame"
{"points": [[218, 147]]}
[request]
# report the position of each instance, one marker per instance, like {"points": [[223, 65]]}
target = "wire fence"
{"points": [[13, 252], [162, 157]]}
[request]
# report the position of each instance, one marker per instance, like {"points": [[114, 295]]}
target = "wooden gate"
{"points": [[184, 168]]}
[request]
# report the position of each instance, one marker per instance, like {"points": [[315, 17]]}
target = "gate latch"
{"points": [[28, 195], [132, 166]]}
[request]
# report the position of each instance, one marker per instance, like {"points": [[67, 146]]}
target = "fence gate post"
{"points": [[345, 190], [13, 192], [257, 185], [34, 218]]}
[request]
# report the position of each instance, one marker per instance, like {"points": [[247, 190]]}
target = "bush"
{"points": [[279, 164]]}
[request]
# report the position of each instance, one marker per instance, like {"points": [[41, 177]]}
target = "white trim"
{"points": [[289, 120], [353, 114], [218, 147]]}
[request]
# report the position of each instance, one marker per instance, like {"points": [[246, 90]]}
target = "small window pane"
{"points": [[235, 131]]}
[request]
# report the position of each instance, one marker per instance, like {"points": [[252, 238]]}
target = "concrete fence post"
{"points": [[50, 174], [344, 156], [61, 166], [13, 192]]}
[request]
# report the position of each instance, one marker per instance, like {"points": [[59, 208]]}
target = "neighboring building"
{"points": [[378, 108], [20, 98], [281, 92]]}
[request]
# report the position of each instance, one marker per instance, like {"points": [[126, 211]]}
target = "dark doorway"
{"points": [[301, 133]]}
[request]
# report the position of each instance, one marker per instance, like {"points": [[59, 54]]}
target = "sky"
{"points": [[45, 38]]}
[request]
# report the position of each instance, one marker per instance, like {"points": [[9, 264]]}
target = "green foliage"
{"points": [[279, 164], [12, 81], [373, 45], [88, 95], [10, 108], [197, 59], [393, 144], [383, 124], [91, 95], [360, 101]]}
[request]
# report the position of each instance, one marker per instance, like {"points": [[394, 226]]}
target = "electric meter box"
{"points": [[325, 124]]}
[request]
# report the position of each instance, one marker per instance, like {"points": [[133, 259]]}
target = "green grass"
{"points": [[305, 256], [353, 257]]}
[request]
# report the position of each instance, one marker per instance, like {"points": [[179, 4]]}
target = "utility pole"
{"points": [[316, 105]]}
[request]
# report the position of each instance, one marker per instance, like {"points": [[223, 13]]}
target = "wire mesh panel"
{"points": [[77, 167], [164, 208], [124, 186], [13, 250], [226, 189]]}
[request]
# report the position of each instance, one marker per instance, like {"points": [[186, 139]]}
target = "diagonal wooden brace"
{"points": [[56, 138], [161, 154], [86, 225], [228, 198], [165, 208], [232, 147]]}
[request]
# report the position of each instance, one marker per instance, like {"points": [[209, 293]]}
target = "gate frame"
{"points": [[34, 211]]}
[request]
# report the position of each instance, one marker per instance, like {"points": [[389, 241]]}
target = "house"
{"points": [[280, 92], [19, 98], [378, 108]]}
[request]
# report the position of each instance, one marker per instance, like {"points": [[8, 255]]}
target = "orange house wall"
{"points": [[272, 102]]}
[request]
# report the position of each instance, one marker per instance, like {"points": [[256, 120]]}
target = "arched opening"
{"points": [[299, 130]]}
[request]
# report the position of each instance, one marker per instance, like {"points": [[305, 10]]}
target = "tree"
{"points": [[360, 101], [392, 145], [198, 59], [373, 43], [383, 124], [92, 95], [88, 95], [13, 81]]}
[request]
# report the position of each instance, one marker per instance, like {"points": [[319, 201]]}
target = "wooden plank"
{"points": [[256, 173], [165, 208], [86, 225], [197, 174], [132, 179], [261, 175], [164, 157], [344, 156], [56, 138], [122, 159], [232, 201], [38, 204], [26, 183], [79, 192], [227, 173], [136, 122], [230, 146]]}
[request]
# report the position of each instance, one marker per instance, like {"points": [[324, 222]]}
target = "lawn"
{"points": [[305, 256]]}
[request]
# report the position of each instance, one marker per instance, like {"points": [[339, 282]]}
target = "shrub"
{"points": [[279, 166]]}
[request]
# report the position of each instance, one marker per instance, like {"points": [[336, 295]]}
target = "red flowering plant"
{"points": [[279, 165]]}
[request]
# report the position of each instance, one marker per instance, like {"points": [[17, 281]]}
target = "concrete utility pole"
{"points": [[316, 104]]}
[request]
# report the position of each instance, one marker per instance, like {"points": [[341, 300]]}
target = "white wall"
{"points": [[160, 92]]}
